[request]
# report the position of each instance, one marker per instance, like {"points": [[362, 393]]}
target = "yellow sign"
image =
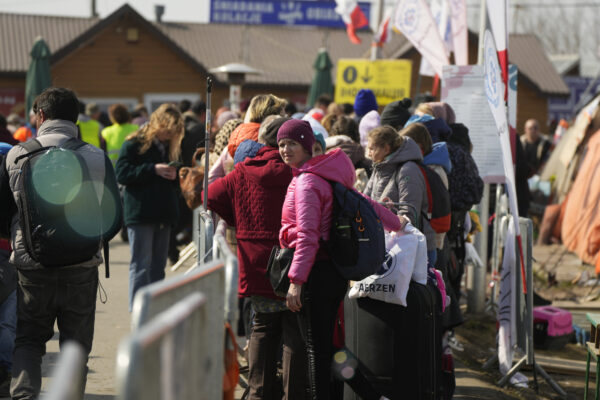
{"points": [[388, 79]]}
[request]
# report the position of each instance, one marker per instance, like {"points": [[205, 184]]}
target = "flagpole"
{"points": [[476, 297], [482, 24], [375, 50]]}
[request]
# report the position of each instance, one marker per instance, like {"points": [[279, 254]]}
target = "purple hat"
{"points": [[297, 130]]}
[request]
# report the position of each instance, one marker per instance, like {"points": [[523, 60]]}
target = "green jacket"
{"points": [[147, 197]]}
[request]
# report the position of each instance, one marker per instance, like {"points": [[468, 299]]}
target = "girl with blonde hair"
{"points": [[146, 170]]}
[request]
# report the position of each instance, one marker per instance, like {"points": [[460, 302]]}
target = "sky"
{"points": [[175, 10]]}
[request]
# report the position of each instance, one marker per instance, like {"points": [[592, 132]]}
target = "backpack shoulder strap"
{"points": [[73, 144], [31, 145], [428, 186]]}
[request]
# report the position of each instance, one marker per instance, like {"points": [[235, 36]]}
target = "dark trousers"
{"points": [[325, 290], [268, 331], [64, 295]]}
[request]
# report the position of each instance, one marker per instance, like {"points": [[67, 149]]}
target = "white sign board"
{"points": [[463, 87]]}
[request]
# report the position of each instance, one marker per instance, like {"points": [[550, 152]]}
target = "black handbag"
{"points": [[278, 267]]}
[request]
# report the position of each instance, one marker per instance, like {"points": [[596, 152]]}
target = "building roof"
{"points": [[527, 53], [18, 33], [565, 63], [284, 54]]}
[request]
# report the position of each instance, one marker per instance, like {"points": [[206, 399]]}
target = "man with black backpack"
{"points": [[67, 208]]}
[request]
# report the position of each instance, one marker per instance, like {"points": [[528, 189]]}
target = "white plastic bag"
{"points": [[419, 274], [407, 256]]}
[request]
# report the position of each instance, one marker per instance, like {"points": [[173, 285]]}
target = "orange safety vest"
{"points": [[23, 134]]}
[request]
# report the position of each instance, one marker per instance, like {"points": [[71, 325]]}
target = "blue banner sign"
{"points": [[274, 12], [564, 107]]}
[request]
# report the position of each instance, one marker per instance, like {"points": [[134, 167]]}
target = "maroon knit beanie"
{"points": [[297, 130]]}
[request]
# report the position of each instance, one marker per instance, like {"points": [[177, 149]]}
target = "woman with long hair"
{"points": [[150, 200]]}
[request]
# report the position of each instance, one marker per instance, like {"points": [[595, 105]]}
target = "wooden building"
{"points": [[126, 58]]}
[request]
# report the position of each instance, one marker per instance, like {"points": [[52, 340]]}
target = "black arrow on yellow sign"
{"points": [[366, 78]]}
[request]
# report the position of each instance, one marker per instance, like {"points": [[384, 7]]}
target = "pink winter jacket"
{"points": [[306, 214]]}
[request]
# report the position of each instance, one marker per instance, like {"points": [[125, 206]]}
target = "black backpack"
{"points": [[64, 219], [356, 243]]}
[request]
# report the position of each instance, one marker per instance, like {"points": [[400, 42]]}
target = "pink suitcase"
{"points": [[553, 327]]}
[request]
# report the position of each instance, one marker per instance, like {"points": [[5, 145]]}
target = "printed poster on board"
{"points": [[463, 87]]}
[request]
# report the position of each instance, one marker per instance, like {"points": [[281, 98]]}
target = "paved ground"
{"points": [[112, 324]]}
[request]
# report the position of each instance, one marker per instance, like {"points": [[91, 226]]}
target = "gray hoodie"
{"points": [[400, 178], [51, 133]]}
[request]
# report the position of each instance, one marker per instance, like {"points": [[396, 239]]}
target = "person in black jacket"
{"points": [[150, 199]]}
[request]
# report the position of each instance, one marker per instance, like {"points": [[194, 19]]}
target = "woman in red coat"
{"points": [[250, 198]]}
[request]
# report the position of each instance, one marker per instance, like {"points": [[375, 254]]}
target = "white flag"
{"points": [[494, 90], [384, 32], [460, 33], [441, 14], [413, 18], [498, 16]]}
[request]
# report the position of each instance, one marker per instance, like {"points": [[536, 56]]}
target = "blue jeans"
{"points": [[149, 245], [8, 330]]}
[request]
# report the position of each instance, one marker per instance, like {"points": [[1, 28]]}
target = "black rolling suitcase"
{"points": [[400, 348]]}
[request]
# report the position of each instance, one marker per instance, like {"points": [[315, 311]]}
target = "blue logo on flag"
{"points": [[491, 78]]}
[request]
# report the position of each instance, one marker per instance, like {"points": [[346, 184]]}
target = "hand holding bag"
{"points": [[278, 267]]}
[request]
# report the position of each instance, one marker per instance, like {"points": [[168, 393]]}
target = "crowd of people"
{"points": [[271, 169], [270, 204]]}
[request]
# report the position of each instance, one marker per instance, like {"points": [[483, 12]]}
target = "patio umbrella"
{"points": [[38, 75], [321, 83]]}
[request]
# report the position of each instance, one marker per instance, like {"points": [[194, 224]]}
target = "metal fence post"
{"points": [[68, 377], [169, 357]]}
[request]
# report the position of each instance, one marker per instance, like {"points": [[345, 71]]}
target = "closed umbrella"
{"points": [[321, 83], [38, 75]]}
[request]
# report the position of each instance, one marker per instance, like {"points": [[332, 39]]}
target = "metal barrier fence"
{"points": [[202, 239], [67, 378], [217, 281], [159, 296], [523, 306], [169, 358], [221, 250], [205, 232]]}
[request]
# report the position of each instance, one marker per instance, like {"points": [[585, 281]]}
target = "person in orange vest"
{"points": [[89, 128], [28, 130]]}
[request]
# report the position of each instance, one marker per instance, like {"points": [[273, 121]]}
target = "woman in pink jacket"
{"points": [[305, 225]]}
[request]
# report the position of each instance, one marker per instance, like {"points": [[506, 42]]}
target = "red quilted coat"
{"points": [[251, 199]]}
